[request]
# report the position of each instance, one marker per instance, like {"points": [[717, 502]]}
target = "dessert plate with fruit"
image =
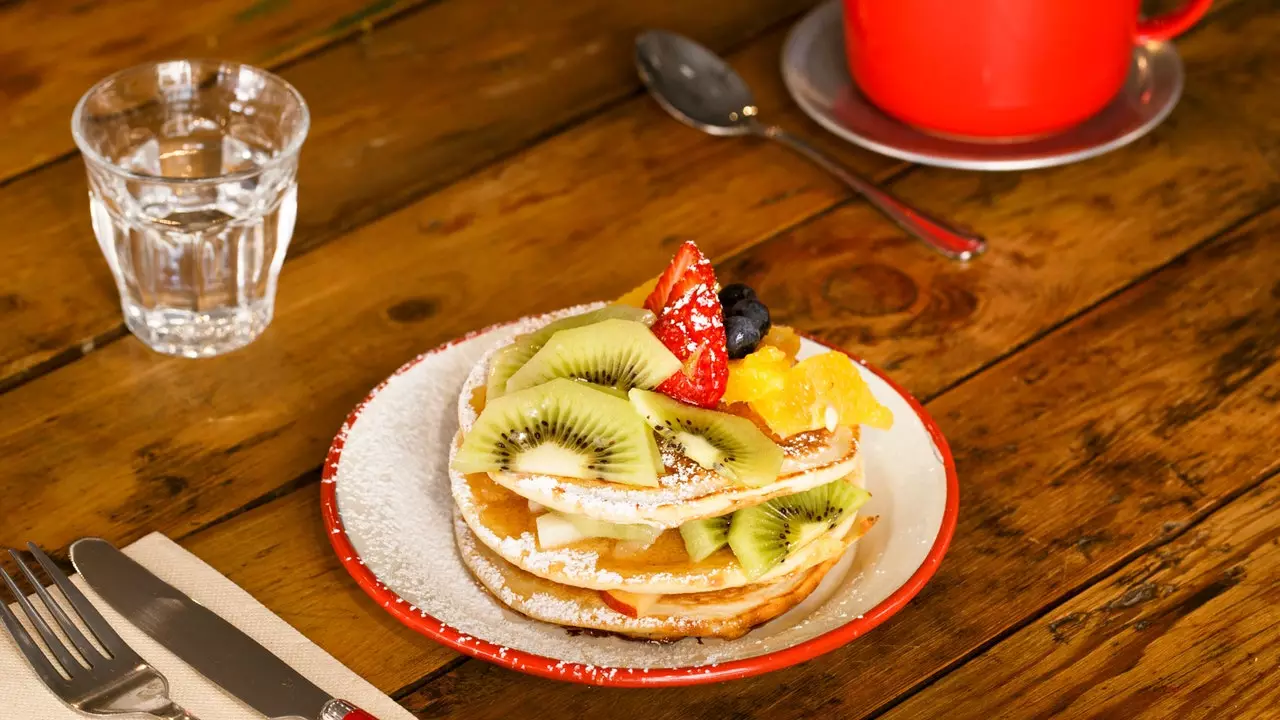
{"points": [[666, 489]]}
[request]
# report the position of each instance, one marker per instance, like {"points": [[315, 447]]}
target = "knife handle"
{"points": [[343, 710]]}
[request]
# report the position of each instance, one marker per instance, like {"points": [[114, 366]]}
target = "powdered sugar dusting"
{"points": [[395, 504]]}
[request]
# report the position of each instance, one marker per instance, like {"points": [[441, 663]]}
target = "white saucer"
{"points": [[815, 72], [389, 513]]}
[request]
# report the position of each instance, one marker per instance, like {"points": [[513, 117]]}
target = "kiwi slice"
{"points": [[764, 535], [730, 445], [562, 428], [703, 537], [509, 359], [614, 353]]}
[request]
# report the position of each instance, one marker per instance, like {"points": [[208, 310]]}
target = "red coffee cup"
{"points": [[998, 68]]}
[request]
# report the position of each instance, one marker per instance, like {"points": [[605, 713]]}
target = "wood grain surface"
{"points": [[54, 51], [1107, 375], [1186, 630], [396, 112], [636, 182]]}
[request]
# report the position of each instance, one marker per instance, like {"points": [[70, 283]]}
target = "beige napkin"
{"points": [[24, 697]]}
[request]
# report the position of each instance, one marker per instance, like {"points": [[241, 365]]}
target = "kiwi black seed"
{"points": [[506, 361], [562, 428], [614, 352], [703, 537], [764, 535], [730, 445]]}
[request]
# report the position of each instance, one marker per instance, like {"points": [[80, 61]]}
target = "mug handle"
{"points": [[1172, 24]]}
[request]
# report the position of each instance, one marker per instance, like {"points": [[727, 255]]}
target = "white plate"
{"points": [[815, 72], [387, 504]]}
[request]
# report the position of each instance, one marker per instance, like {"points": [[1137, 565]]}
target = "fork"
{"points": [[113, 683]]}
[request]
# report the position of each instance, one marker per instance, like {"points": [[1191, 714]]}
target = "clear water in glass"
{"points": [[193, 196]]}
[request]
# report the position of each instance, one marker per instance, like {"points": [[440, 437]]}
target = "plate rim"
{"points": [[554, 669], [791, 77]]}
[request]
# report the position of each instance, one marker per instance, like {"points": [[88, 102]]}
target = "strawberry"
{"points": [[692, 327], [688, 268]]}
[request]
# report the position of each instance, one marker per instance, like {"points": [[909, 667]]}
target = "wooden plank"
{"points": [[1187, 630], [1062, 238], [1073, 456], [281, 555], [404, 110], [55, 51], [583, 216]]}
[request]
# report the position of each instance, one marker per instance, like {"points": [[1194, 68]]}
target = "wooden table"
{"points": [[1107, 375]]}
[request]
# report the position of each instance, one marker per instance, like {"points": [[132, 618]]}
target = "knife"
{"points": [[212, 646]]}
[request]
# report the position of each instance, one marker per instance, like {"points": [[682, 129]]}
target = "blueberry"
{"points": [[753, 310], [731, 295], [743, 336]]}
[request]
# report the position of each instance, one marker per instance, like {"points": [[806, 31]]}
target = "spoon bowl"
{"points": [[694, 84], [698, 88]]}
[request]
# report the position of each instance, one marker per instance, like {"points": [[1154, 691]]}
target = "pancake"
{"points": [[686, 491], [505, 524], [726, 614]]}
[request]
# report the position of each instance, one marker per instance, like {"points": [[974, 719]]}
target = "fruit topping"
{"points": [[753, 310], [693, 329], [616, 353], [562, 428], [703, 537], [724, 443], [761, 373], [764, 535], [630, 604], [783, 338], [733, 293], [688, 269], [636, 296], [508, 360], [823, 391], [741, 336], [559, 529]]}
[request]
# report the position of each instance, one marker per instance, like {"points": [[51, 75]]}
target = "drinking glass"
{"points": [[192, 170]]}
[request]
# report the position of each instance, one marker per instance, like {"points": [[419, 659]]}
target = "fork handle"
{"points": [[173, 712]]}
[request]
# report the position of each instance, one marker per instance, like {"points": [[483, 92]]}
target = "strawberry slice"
{"points": [[688, 269], [692, 328]]}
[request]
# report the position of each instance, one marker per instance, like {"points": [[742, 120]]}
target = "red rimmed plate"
{"points": [[386, 503]]}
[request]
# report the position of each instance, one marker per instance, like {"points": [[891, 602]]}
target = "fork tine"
{"points": [[85, 609], [87, 650], [64, 656], [32, 652]]}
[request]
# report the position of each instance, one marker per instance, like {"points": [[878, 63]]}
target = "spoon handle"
{"points": [[955, 244]]}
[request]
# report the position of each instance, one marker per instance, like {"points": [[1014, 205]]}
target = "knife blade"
{"points": [[212, 646]]}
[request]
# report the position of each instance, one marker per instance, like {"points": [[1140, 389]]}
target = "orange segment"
{"points": [[759, 374], [783, 338], [636, 297], [820, 391]]}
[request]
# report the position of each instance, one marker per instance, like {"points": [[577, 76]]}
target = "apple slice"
{"points": [[630, 604]]}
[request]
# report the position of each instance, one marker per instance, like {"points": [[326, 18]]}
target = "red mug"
{"points": [[998, 68]]}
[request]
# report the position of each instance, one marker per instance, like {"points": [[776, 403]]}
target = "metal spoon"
{"points": [[699, 89]]}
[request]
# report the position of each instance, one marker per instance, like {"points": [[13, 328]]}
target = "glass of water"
{"points": [[192, 189]]}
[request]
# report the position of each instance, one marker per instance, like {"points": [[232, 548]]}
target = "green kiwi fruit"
{"points": [[614, 353], [764, 535], [563, 428], [506, 361], [703, 537], [730, 445]]}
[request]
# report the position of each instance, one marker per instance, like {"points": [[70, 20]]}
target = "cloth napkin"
{"points": [[24, 697]]}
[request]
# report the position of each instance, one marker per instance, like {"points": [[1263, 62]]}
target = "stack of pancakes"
{"points": [[652, 591]]}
